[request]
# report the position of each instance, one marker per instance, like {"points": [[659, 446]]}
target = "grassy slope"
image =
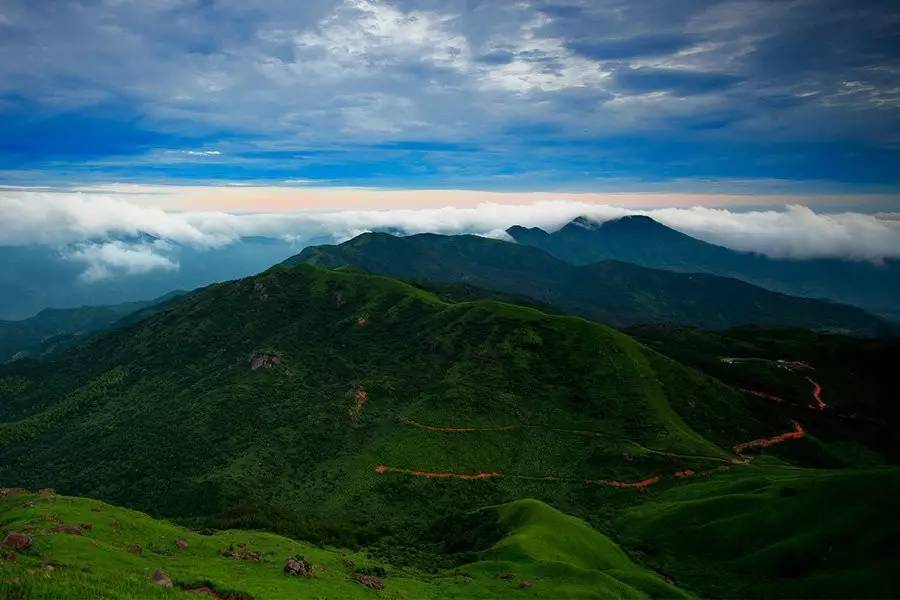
{"points": [[775, 531], [559, 555], [857, 379], [179, 425]]}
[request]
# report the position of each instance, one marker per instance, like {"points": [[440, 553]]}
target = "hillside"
{"points": [[610, 292], [775, 532], [115, 553], [641, 240], [55, 328], [347, 406], [846, 386]]}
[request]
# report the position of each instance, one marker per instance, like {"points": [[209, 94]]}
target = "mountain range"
{"points": [[453, 417], [643, 241], [612, 292]]}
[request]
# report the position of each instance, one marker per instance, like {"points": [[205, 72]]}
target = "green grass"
{"points": [[775, 531], [560, 556]]}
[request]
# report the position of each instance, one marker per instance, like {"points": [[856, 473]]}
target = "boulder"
{"points": [[181, 543], [298, 566], [160, 578], [17, 541], [369, 581]]}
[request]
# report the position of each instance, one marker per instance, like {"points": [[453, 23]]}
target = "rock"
{"points": [[362, 321], [505, 576], [242, 553], [86, 526], [70, 529], [524, 584], [181, 543], [9, 555], [136, 549], [160, 578], [17, 541], [11, 491], [370, 581], [298, 566], [264, 360]]}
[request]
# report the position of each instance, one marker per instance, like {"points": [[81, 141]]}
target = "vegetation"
{"points": [[115, 553], [449, 444], [612, 292]]}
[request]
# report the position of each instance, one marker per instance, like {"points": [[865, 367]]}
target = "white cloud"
{"points": [[109, 259], [99, 220]]}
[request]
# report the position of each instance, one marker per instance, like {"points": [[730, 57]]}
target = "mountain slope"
{"points": [[349, 406], [37, 333], [610, 292], [105, 561], [641, 240]]}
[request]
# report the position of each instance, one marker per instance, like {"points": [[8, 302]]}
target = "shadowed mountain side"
{"points": [[641, 240], [611, 292]]}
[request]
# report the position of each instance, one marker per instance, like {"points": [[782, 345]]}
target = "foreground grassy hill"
{"points": [[612, 292], [538, 551], [351, 407]]}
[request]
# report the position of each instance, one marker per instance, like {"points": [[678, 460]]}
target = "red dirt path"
{"points": [[438, 474], [796, 434], [817, 396]]}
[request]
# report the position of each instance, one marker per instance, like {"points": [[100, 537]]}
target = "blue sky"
{"points": [[531, 95]]}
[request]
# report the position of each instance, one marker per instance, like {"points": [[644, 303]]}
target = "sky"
{"points": [[766, 126], [577, 96]]}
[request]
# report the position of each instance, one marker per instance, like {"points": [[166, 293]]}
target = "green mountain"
{"points": [[431, 437], [272, 401], [641, 240], [53, 329], [611, 292]]}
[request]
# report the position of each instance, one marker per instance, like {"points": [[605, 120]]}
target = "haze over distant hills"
{"points": [[609, 291], [642, 240], [35, 277]]}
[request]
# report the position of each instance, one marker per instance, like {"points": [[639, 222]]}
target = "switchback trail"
{"points": [[817, 396]]}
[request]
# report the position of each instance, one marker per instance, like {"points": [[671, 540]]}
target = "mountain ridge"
{"points": [[642, 240]]}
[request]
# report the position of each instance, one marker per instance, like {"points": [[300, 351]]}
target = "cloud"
{"points": [[321, 74], [108, 231], [110, 259]]}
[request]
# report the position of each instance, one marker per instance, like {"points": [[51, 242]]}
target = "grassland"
{"points": [[540, 553]]}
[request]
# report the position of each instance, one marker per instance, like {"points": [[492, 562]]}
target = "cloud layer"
{"points": [[113, 235]]}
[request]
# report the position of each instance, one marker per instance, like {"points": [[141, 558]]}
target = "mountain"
{"points": [[441, 441], [348, 406], [55, 328], [611, 292], [641, 240]]}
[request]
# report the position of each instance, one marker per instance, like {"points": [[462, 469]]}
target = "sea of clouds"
{"points": [[108, 233]]}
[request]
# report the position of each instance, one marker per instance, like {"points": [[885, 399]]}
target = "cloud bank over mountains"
{"points": [[114, 235]]}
